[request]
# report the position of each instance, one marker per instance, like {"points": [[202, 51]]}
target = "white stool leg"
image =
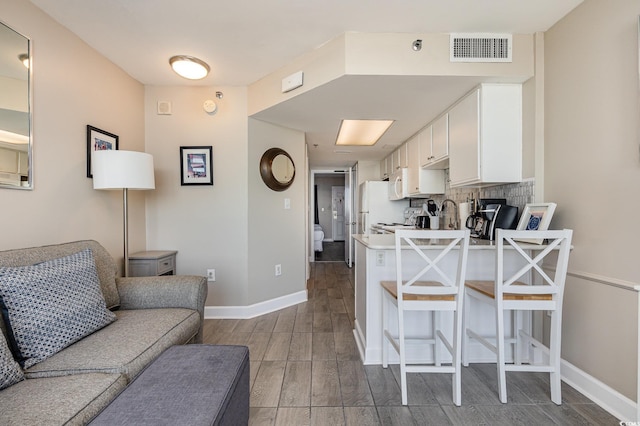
{"points": [[435, 321], [385, 325], [465, 336], [457, 348], [502, 377], [554, 358]]}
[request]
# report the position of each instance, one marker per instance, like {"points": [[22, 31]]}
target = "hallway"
{"points": [[306, 370]]}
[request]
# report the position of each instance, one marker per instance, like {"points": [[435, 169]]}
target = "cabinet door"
{"points": [[425, 146], [464, 140], [440, 143], [413, 175], [384, 173], [403, 157]]}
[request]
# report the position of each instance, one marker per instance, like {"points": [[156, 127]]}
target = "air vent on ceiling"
{"points": [[478, 47]]}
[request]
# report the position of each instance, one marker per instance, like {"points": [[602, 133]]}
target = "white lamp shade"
{"points": [[113, 169]]}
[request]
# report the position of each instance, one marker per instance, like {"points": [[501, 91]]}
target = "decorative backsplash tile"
{"points": [[516, 194]]}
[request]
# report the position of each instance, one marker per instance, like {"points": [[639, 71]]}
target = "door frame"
{"points": [[310, 190]]}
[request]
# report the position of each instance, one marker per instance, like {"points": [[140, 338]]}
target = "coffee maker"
{"points": [[490, 214]]}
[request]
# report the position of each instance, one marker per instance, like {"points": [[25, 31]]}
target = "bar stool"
{"points": [[507, 294], [442, 292]]}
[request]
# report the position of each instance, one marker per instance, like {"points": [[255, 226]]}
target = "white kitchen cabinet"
{"points": [[421, 181], [437, 145], [386, 167], [485, 136], [403, 157], [399, 158], [425, 145]]}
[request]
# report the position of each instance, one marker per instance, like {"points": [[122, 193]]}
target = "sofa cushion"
{"points": [[126, 346], [49, 305], [10, 371], [68, 400], [104, 262]]}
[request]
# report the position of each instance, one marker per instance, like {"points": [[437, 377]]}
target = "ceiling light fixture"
{"points": [[189, 67], [362, 132], [24, 58], [416, 45]]}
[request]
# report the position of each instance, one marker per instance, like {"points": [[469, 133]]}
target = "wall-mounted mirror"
{"points": [[15, 110], [277, 169]]}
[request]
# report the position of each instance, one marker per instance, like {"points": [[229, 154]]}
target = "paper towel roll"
{"points": [[464, 210]]}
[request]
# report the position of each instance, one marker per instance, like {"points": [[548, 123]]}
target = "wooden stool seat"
{"points": [[392, 288], [488, 289]]}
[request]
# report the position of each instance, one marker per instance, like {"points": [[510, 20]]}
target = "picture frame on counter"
{"points": [[535, 217], [196, 165], [98, 140]]}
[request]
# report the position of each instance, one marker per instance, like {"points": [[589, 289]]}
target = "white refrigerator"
{"points": [[375, 206]]}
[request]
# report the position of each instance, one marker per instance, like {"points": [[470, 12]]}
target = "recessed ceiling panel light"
{"points": [[362, 132], [189, 67]]}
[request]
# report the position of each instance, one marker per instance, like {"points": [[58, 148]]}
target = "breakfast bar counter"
{"points": [[375, 262]]}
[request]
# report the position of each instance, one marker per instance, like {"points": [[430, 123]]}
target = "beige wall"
{"points": [[206, 224], [592, 170], [73, 86], [276, 235]]}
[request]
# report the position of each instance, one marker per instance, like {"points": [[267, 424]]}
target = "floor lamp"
{"points": [[114, 169]]}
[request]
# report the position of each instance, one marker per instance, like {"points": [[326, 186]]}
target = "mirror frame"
{"points": [[266, 169], [29, 181]]}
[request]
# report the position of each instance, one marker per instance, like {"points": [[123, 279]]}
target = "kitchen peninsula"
{"points": [[375, 261]]}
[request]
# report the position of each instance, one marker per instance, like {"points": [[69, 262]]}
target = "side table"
{"points": [[152, 263]]}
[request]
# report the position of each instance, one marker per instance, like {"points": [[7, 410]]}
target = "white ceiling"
{"points": [[244, 41]]}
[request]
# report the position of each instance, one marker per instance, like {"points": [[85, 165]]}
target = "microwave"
{"points": [[398, 184]]}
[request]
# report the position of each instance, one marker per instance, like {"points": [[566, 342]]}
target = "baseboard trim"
{"points": [[606, 397], [257, 309]]}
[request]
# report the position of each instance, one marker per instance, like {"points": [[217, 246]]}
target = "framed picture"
{"points": [[98, 140], [196, 165], [536, 217]]}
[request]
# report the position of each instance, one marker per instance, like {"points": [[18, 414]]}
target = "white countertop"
{"points": [[388, 242]]}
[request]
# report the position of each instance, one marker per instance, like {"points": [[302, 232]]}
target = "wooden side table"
{"points": [[152, 263]]}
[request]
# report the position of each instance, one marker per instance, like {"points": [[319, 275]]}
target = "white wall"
{"points": [[73, 86], [592, 170], [206, 224]]}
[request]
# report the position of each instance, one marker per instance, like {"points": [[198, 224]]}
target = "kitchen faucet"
{"points": [[452, 224]]}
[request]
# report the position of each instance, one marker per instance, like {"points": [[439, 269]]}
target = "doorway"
{"points": [[330, 213]]}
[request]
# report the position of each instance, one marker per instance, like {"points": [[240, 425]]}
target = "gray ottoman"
{"points": [[189, 385]]}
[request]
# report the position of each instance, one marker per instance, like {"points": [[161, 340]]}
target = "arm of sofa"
{"points": [[169, 291]]}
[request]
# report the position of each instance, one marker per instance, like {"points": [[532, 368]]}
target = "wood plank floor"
{"points": [[306, 370]]}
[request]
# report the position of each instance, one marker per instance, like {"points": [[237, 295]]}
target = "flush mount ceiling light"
{"points": [[189, 67], [362, 132]]}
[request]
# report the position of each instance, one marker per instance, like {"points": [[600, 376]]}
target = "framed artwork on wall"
{"points": [[536, 217], [196, 165], [98, 140]]}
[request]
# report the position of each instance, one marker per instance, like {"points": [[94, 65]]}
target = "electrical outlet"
{"points": [[380, 260], [211, 274], [278, 270]]}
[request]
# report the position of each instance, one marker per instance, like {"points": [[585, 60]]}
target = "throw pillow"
{"points": [[10, 371], [50, 305]]}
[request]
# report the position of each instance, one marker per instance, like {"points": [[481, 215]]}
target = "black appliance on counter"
{"points": [[490, 214]]}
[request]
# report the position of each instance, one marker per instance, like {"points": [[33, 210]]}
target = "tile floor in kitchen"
{"points": [[306, 370]]}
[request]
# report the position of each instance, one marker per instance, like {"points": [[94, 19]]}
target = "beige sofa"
{"points": [[76, 383]]}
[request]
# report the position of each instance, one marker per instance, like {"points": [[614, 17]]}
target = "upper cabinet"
{"points": [[435, 145], [421, 181], [385, 168], [485, 136], [403, 157]]}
